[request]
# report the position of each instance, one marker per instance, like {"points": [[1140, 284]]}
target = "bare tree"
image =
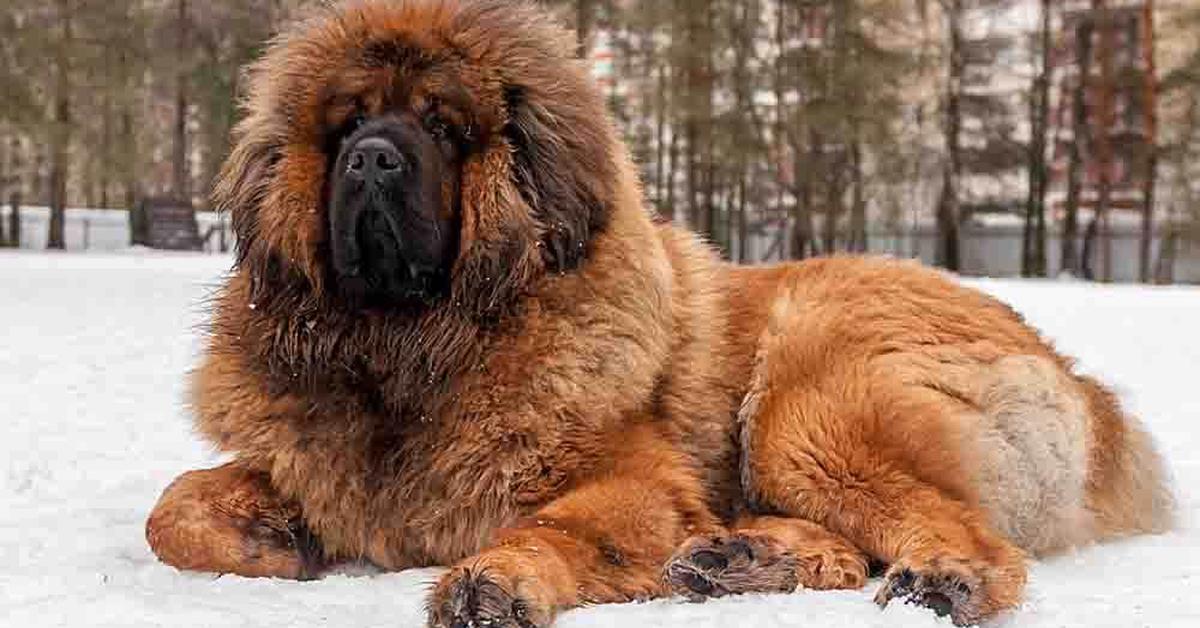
{"points": [[181, 173], [5, 167], [1033, 254], [20, 107], [1103, 137], [948, 254], [1180, 149], [60, 130], [1150, 120], [14, 197], [14, 219], [1079, 137]]}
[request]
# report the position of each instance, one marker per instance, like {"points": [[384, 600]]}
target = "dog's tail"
{"points": [[1128, 485]]}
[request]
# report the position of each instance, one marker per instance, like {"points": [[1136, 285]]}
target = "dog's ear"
{"points": [[273, 222], [498, 239], [242, 188], [533, 201], [562, 167]]}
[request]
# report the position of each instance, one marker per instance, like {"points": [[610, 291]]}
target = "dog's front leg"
{"points": [[230, 520], [604, 541]]}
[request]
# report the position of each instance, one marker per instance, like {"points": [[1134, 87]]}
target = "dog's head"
{"points": [[411, 154]]}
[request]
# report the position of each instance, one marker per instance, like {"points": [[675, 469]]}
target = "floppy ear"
{"points": [[559, 164], [498, 239], [562, 167], [241, 189], [272, 234]]}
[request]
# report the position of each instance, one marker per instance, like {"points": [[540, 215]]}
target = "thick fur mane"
{"points": [[536, 190], [397, 363]]}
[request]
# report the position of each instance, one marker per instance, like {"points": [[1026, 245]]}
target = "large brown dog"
{"points": [[455, 337]]}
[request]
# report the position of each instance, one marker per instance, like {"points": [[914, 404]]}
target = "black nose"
{"points": [[374, 157]]}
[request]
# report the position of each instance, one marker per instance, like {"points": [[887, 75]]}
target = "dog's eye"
{"points": [[347, 128], [437, 126]]}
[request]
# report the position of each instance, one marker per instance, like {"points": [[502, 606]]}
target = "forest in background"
{"points": [[777, 128]]}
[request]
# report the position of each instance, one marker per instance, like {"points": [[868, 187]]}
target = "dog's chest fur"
{"points": [[396, 466], [425, 493]]}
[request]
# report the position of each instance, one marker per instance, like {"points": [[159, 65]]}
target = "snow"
{"points": [[93, 351]]}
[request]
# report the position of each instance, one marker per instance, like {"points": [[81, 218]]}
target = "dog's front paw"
{"points": [[477, 596]]}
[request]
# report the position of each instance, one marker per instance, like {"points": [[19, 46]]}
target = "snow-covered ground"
{"points": [[93, 351]]}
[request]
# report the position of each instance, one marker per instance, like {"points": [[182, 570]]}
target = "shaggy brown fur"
{"points": [[599, 410]]}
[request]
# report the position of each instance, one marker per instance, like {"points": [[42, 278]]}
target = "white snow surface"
{"points": [[93, 355]]}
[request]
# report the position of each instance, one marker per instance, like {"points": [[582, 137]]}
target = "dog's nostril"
{"points": [[387, 161], [374, 156]]}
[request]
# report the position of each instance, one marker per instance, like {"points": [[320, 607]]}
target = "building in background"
{"points": [[1121, 97]]}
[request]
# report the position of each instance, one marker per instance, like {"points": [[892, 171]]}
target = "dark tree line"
{"points": [[824, 120], [107, 101], [777, 128]]}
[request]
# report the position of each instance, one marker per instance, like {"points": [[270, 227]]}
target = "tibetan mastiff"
{"points": [[455, 336]]}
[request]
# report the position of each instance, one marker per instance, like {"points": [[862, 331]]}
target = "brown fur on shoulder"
{"points": [[598, 409]]}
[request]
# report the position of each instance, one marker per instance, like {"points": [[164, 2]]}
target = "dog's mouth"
{"points": [[381, 275]]}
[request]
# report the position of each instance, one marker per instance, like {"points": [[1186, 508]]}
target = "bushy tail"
{"points": [[1128, 483]]}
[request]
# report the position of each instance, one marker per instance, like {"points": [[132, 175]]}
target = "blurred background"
{"points": [[992, 137]]}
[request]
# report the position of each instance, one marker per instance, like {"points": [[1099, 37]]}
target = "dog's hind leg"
{"points": [[942, 551], [877, 459], [230, 520]]}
